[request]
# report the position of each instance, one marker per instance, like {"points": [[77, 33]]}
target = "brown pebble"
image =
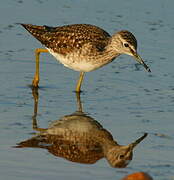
{"points": [[138, 176]]}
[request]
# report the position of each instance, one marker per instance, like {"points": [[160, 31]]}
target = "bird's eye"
{"points": [[121, 156], [126, 45]]}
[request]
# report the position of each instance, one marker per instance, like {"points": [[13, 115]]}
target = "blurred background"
{"points": [[122, 97]]}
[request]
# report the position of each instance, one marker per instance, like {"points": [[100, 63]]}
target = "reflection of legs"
{"points": [[37, 128], [79, 82], [36, 76], [79, 104], [36, 99]]}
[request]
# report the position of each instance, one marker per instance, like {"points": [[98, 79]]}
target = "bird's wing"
{"points": [[66, 39]]}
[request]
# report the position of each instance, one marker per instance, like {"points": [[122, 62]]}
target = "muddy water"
{"points": [[122, 97]]}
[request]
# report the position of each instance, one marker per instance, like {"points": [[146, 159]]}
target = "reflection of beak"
{"points": [[140, 60], [132, 145]]}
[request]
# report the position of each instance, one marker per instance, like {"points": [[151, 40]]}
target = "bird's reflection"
{"points": [[79, 138]]}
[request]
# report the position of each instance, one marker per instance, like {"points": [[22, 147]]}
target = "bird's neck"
{"points": [[111, 51], [107, 143], [107, 55]]}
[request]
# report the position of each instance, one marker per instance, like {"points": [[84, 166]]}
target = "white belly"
{"points": [[75, 63]]}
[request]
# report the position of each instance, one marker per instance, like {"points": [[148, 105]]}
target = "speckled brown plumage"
{"points": [[83, 47], [66, 39]]}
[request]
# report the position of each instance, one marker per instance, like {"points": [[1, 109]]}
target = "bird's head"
{"points": [[126, 43], [120, 156]]}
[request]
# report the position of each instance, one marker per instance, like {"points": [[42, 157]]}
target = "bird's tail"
{"points": [[39, 32]]}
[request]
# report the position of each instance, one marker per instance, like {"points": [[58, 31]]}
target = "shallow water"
{"points": [[122, 97]]}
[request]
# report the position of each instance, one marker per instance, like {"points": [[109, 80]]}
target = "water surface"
{"points": [[122, 97]]}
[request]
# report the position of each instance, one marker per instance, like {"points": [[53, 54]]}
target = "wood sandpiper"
{"points": [[82, 47]]}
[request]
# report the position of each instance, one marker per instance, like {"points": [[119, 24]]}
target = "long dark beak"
{"points": [[140, 60], [132, 145]]}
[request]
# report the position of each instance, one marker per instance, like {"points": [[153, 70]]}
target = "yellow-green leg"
{"points": [[36, 76], [79, 82]]}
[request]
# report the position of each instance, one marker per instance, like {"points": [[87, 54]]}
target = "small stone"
{"points": [[138, 176]]}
